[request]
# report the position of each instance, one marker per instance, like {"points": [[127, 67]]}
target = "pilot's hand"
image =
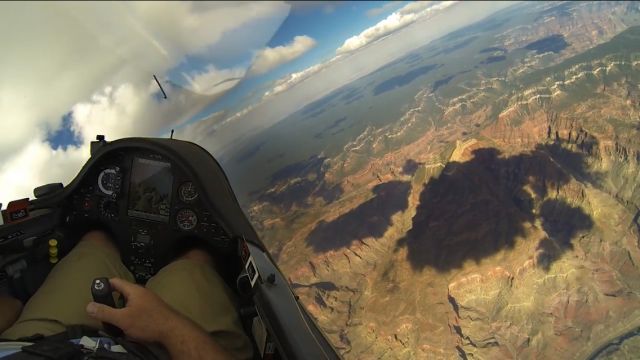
{"points": [[146, 317]]}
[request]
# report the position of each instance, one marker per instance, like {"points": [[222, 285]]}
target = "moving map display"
{"points": [[150, 189]]}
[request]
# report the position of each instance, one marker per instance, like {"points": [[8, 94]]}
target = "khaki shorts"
{"points": [[192, 288]]}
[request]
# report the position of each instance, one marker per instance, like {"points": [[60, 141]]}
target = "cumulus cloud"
{"points": [[292, 79], [143, 113], [270, 58], [416, 7], [23, 171], [391, 5], [97, 60], [398, 20]]}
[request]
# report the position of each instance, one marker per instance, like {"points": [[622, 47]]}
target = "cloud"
{"points": [[132, 110], [294, 78], [23, 171], [97, 60], [397, 20], [418, 6], [270, 58], [391, 5]]}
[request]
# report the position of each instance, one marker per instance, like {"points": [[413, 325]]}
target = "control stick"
{"points": [[102, 293]]}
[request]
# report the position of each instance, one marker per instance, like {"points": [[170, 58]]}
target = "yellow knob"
{"points": [[53, 252], [53, 242], [53, 260]]}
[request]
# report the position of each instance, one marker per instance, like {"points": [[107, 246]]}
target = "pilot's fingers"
{"points": [[123, 286], [104, 313]]}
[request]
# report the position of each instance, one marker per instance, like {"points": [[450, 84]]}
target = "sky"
{"points": [[72, 70]]}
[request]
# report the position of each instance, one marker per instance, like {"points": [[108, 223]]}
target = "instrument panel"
{"points": [[150, 205]]}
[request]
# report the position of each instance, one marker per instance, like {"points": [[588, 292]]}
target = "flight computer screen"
{"points": [[150, 189]]}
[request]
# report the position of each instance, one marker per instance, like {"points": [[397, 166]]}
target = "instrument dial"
{"points": [[186, 219], [188, 192], [109, 181], [109, 209]]}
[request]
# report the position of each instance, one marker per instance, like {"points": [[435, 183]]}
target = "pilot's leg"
{"points": [[64, 295], [10, 310], [193, 287]]}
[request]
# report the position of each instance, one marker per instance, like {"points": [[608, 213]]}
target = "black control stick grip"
{"points": [[102, 293]]}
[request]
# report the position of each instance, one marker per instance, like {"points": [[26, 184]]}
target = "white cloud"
{"points": [[415, 7], [391, 5], [23, 171], [397, 20], [132, 110], [98, 59], [294, 78], [270, 58]]}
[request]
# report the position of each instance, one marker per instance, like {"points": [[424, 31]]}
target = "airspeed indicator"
{"points": [[186, 219]]}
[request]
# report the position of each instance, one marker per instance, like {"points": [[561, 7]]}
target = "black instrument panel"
{"points": [[150, 206]]}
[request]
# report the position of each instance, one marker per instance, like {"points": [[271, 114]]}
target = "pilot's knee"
{"points": [[99, 238], [197, 255]]}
